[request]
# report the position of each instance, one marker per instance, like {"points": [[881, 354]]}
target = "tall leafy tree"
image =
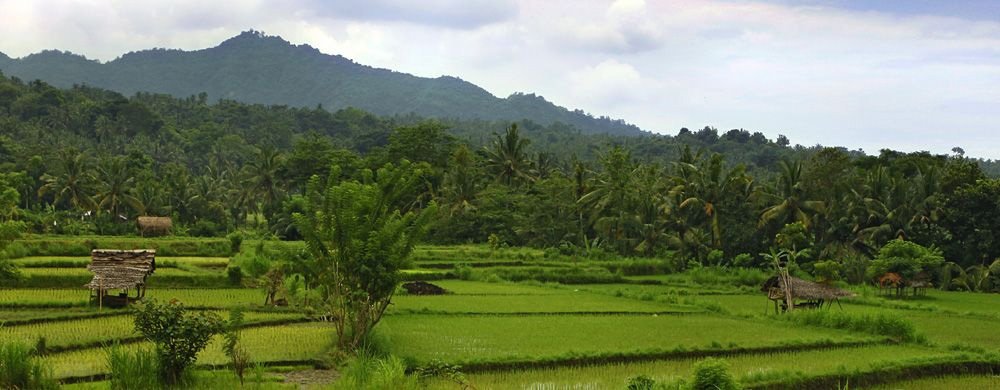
{"points": [[360, 242]]}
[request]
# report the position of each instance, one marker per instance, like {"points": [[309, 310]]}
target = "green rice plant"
{"points": [[750, 369], [376, 373], [572, 275], [878, 324], [300, 342], [946, 382], [506, 340], [20, 369], [35, 245], [132, 368], [571, 302]]}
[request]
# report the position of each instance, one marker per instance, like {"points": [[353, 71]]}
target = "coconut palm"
{"points": [[73, 183], [116, 187], [507, 158], [790, 204], [611, 196], [704, 187]]}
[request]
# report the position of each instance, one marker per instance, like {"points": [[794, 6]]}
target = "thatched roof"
{"points": [[803, 289], [116, 269], [154, 225]]}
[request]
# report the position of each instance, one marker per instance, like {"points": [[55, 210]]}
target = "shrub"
{"points": [[20, 369], [235, 241], [235, 275], [132, 369], [238, 355], [462, 271], [179, 336], [713, 374], [369, 372], [640, 382]]}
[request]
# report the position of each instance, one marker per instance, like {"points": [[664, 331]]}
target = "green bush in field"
{"points": [[640, 382], [377, 373], [20, 369], [132, 369], [713, 374], [179, 336]]}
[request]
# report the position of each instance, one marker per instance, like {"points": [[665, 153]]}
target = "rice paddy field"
{"points": [[531, 334]]}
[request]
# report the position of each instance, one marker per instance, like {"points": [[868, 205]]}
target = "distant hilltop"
{"points": [[256, 68]]}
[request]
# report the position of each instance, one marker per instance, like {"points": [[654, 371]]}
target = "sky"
{"points": [[909, 75]]}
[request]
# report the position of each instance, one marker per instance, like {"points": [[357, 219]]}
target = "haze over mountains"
{"points": [[256, 68]]}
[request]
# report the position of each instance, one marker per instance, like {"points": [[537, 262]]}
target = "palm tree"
{"points": [[262, 175], [507, 159], [116, 186], [790, 205], [611, 196], [72, 183], [705, 187], [459, 189]]}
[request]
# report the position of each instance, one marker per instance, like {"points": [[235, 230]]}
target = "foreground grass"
{"points": [[479, 339], [297, 342], [748, 368]]}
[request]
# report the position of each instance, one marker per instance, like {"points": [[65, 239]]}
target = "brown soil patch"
{"points": [[423, 288]]}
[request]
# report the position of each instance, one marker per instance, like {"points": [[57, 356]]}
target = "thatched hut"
{"points": [[122, 270], [154, 226], [811, 294]]}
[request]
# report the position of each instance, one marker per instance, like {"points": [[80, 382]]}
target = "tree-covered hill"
{"points": [[256, 68]]}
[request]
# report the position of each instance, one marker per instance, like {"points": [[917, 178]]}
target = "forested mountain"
{"points": [[256, 68]]}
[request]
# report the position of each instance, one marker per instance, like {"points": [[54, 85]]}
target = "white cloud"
{"points": [[816, 74]]}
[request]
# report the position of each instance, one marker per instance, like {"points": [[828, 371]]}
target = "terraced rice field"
{"points": [[533, 335]]}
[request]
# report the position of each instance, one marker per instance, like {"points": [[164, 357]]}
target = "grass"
{"points": [[297, 342], [745, 367], [204, 298], [571, 302], [491, 339], [83, 261], [948, 382], [46, 245], [62, 334], [463, 287]]}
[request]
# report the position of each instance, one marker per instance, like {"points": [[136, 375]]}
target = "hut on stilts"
{"points": [[123, 270], [789, 292]]}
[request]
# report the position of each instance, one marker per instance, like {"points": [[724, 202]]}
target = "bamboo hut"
{"points": [[123, 270], [811, 294], [154, 226]]}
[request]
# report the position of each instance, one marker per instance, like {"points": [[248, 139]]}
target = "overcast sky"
{"points": [[908, 74]]}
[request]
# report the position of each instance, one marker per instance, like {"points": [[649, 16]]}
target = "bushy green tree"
{"points": [[713, 374], [179, 335], [361, 241], [905, 258]]}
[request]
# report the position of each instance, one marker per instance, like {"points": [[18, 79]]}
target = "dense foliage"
{"points": [[85, 161]]}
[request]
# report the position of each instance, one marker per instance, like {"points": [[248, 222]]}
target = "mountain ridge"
{"points": [[256, 68]]}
